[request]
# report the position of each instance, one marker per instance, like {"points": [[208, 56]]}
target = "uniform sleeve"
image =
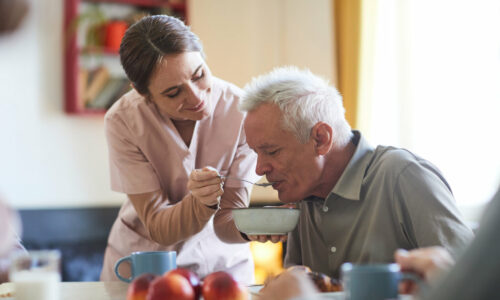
{"points": [[130, 171], [171, 224], [224, 225], [431, 216], [236, 193]]}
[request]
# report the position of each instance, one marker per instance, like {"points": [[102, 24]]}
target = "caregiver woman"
{"points": [[162, 135]]}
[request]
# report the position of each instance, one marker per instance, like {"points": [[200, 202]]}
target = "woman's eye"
{"points": [[199, 75], [173, 95]]}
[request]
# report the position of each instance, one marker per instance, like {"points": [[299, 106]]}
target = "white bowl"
{"points": [[266, 220]]}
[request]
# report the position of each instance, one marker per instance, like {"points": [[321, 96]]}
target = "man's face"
{"points": [[292, 166]]}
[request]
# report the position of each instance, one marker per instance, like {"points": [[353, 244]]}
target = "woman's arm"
{"points": [[223, 221], [238, 194], [170, 224]]}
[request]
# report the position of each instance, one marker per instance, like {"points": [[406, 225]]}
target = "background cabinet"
{"points": [[93, 76]]}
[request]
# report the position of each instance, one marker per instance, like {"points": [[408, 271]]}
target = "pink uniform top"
{"points": [[147, 154]]}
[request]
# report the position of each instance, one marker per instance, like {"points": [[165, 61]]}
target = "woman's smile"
{"points": [[198, 107]]}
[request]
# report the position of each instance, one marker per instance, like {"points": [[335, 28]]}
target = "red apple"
{"points": [[193, 279], [170, 287], [222, 286], [138, 289]]}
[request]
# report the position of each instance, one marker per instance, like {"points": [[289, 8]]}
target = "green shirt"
{"points": [[387, 198]]}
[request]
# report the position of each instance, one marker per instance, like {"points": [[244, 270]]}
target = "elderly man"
{"points": [[358, 203]]}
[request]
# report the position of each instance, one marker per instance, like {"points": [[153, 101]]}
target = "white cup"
{"points": [[36, 275]]}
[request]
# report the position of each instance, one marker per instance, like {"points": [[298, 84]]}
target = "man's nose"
{"points": [[262, 167]]}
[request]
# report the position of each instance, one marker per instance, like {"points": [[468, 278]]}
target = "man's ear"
{"points": [[321, 135]]}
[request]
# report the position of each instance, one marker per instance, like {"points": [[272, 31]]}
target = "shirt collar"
{"points": [[349, 184]]}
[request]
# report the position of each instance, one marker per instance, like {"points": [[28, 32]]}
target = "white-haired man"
{"points": [[358, 203]]}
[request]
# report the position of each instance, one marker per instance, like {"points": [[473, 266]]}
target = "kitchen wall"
{"points": [[50, 159]]}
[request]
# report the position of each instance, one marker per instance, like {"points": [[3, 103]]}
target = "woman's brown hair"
{"points": [[147, 41]]}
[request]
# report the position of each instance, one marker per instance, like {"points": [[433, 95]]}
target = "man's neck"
{"points": [[335, 163]]}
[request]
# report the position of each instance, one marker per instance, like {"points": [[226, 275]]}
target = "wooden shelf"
{"points": [[76, 55], [176, 5], [98, 51]]}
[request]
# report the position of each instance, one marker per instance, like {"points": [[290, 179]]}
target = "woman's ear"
{"points": [[321, 134], [147, 96]]}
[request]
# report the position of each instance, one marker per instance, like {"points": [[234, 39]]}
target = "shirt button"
{"points": [[325, 208], [333, 249]]}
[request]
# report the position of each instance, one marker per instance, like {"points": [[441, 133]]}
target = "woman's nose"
{"points": [[193, 94]]}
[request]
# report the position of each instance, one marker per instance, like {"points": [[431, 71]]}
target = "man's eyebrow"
{"points": [[178, 86]]}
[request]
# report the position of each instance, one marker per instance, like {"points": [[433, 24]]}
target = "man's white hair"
{"points": [[304, 99]]}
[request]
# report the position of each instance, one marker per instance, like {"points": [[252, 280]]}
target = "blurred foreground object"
{"points": [[10, 228], [12, 13], [289, 284]]}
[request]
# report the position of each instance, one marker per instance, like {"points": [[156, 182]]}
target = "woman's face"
{"points": [[180, 86]]}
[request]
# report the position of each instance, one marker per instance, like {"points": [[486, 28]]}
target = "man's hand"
{"points": [[206, 186], [426, 262], [265, 238]]}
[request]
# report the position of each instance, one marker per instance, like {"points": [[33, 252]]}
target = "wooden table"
{"points": [[117, 290], [98, 290]]}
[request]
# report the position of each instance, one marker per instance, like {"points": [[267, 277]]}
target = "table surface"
{"points": [[98, 290], [117, 290], [101, 290]]}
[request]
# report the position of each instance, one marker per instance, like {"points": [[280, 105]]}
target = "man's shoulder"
{"points": [[393, 160]]}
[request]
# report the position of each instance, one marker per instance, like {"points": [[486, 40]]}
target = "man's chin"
{"points": [[287, 198]]}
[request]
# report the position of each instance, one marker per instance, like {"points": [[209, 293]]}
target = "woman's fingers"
{"points": [[208, 195], [200, 178], [205, 190], [206, 186]]}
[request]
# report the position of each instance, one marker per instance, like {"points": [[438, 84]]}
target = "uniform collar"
{"points": [[349, 184]]}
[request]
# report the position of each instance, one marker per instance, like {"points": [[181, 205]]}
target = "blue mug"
{"points": [[154, 262], [374, 281]]}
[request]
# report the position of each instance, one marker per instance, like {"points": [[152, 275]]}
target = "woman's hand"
{"points": [[206, 186]]}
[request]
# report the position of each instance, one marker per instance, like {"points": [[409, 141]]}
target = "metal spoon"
{"points": [[265, 184]]}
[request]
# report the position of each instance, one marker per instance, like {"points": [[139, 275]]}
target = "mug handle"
{"points": [[422, 285], [117, 264]]}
